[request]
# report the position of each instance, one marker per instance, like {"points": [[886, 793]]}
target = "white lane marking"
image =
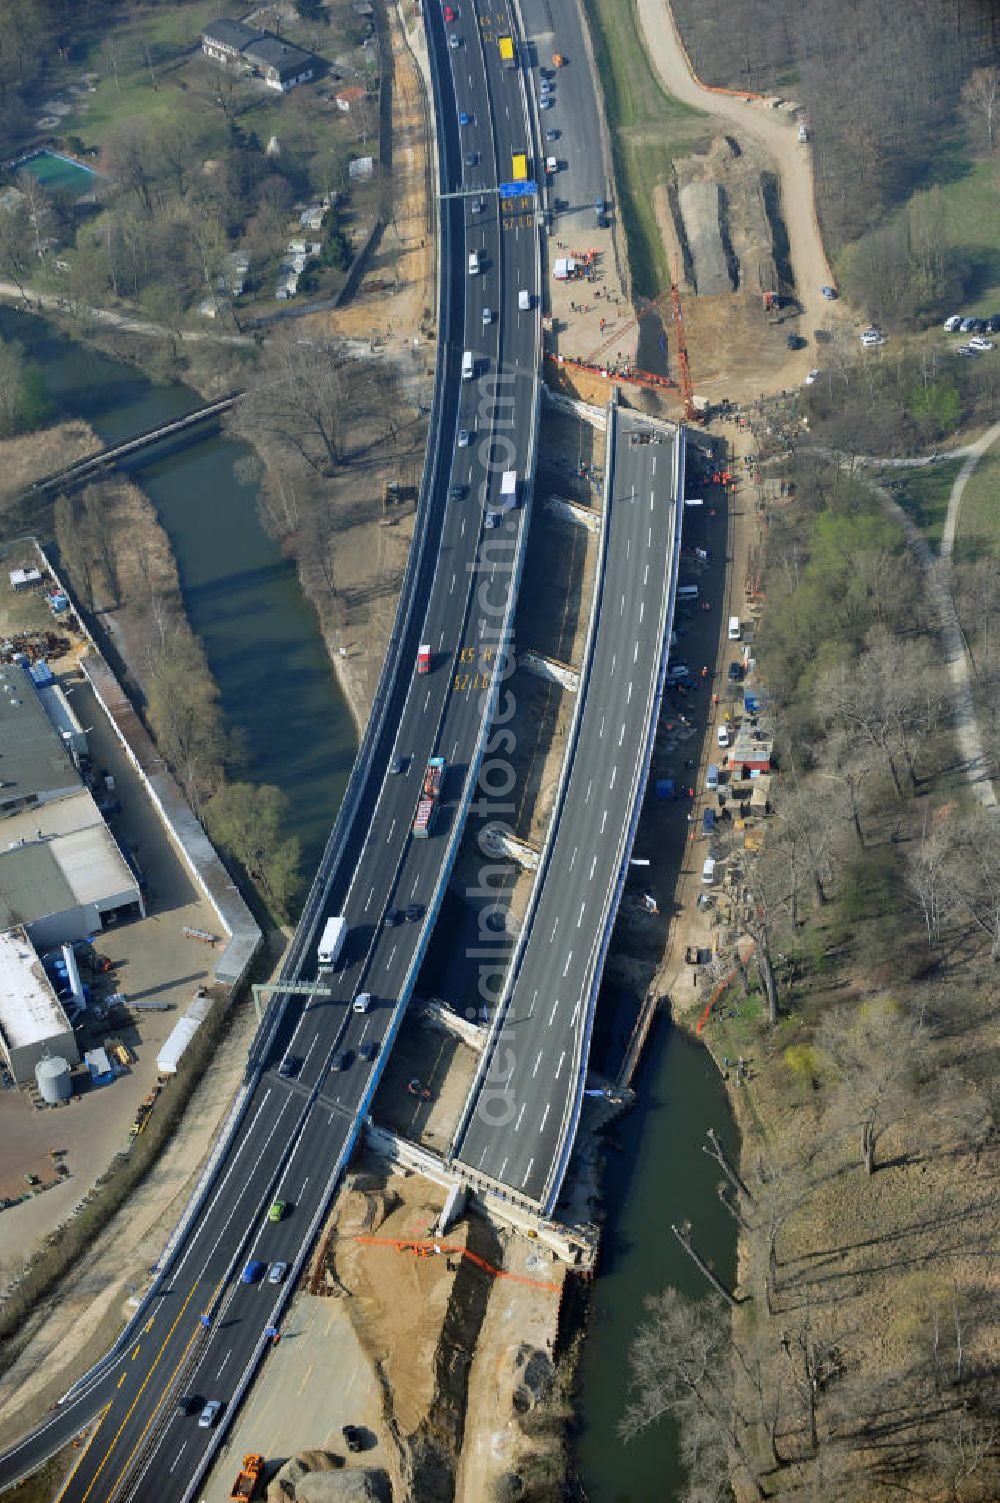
{"points": [[555, 926], [589, 787], [391, 954], [614, 659], [593, 866], [303, 1190], [642, 608], [177, 1458], [462, 533], [427, 700], [440, 641], [537, 1063], [569, 959], [247, 1138], [391, 828], [545, 1114], [635, 653], [621, 608], [621, 734], [651, 500], [628, 546], [414, 887], [653, 468], [454, 751], [502, 1168], [628, 697], [601, 731], [614, 774], [520, 1115], [451, 587], [483, 1155], [224, 1361], [552, 1014], [604, 821], [370, 896], [645, 577], [527, 1173], [576, 1012], [562, 1059], [573, 857], [583, 909]]}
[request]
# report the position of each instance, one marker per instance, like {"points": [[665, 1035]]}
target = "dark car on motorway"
{"points": [[415, 911], [290, 1065], [343, 1060], [188, 1404], [393, 917], [368, 1050]]}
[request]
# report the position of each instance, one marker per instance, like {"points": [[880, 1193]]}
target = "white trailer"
{"points": [[332, 940]]}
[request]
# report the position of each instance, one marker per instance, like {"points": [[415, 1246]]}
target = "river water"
{"points": [[279, 695], [278, 692]]}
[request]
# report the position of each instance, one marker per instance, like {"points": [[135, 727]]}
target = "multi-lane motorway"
{"points": [[521, 1127], [204, 1331]]}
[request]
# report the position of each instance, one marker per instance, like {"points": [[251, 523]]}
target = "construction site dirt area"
{"points": [[419, 1303], [426, 1079]]}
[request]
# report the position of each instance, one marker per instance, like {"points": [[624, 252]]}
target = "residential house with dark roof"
{"points": [[281, 65]]}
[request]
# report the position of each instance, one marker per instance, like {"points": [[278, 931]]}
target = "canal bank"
{"points": [[278, 692]]}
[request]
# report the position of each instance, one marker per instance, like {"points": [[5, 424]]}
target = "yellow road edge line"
{"points": [[121, 1427], [79, 1460], [131, 1456]]}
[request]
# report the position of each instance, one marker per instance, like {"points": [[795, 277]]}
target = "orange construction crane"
{"points": [[691, 413], [425, 1248], [655, 304]]}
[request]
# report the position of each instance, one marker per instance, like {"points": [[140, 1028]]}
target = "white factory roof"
{"points": [[59, 816], [30, 1011]]}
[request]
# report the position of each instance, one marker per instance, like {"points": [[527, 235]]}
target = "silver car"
{"points": [[209, 1414]]}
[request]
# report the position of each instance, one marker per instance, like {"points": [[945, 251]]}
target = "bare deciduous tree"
{"points": [[295, 411], [981, 101], [876, 1051]]}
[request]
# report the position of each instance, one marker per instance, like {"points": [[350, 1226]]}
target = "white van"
{"points": [[524, 301], [735, 629], [468, 366], [687, 592], [362, 1002], [712, 778], [708, 871], [722, 735], [473, 263]]}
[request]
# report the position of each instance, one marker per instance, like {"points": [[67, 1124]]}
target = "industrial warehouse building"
{"points": [[62, 875], [33, 1024], [35, 764]]}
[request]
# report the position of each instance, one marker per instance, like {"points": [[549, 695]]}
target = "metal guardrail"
{"points": [[569, 1132]]}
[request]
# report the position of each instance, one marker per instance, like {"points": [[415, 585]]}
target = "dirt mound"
{"points": [[355, 1486]]}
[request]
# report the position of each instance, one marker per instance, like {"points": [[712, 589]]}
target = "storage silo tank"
{"points": [[54, 1080]]}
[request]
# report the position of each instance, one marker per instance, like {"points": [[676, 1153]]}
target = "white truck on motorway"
{"points": [[332, 940], [524, 300]]}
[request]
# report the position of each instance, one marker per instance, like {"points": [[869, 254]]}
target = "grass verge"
{"points": [[978, 530], [648, 129], [923, 495]]}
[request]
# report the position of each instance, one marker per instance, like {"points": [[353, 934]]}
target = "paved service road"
{"points": [[521, 1129], [556, 26], [203, 1331]]}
